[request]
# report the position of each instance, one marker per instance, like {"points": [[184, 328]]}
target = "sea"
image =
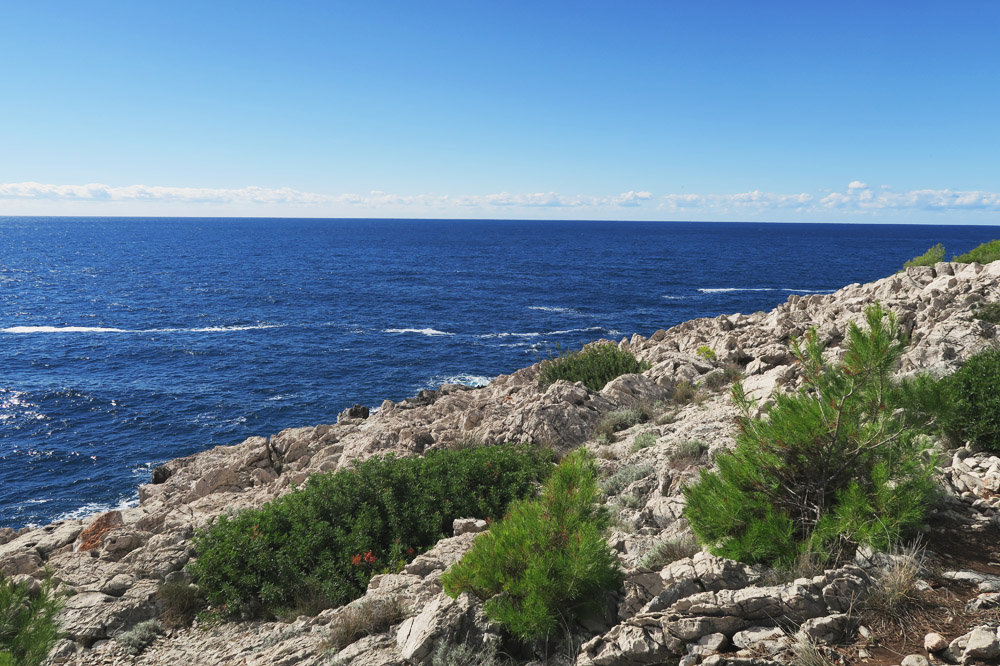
{"points": [[125, 342]]}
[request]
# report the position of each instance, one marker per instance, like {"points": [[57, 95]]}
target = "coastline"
{"points": [[117, 567]]}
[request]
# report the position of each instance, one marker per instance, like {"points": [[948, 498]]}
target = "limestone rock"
{"points": [[92, 537], [935, 642]]}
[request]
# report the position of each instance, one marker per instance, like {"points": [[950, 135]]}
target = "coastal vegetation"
{"points": [[319, 546], [547, 561], [28, 627], [595, 365], [971, 409], [928, 258], [827, 469], [983, 254]]}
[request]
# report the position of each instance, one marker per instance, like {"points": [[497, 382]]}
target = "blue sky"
{"points": [[867, 111]]}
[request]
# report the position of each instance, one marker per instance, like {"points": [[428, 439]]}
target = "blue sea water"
{"points": [[127, 342]]}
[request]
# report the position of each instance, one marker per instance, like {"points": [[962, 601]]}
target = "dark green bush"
{"points": [[595, 366], [988, 312], [983, 254], [547, 560], [830, 467], [973, 392], [928, 258], [28, 627], [319, 546]]}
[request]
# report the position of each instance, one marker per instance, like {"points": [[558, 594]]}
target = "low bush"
{"points": [[460, 654], [718, 379], [669, 550], [618, 420], [319, 546], [982, 254], [972, 411], [830, 467], [644, 440], [140, 637], [28, 627], [685, 393], [688, 452], [928, 258], [363, 619], [706, 352], [181, 603], [988, 312], [595, 366], [624, 477], [547, 561]]}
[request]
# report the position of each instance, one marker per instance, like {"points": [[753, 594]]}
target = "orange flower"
{"points": [[356, 560], [409, 551], [369, 558]]}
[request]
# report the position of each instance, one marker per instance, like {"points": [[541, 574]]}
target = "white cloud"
{"points": [[857, 199]]}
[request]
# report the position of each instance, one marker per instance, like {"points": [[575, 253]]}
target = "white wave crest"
{"points": [[94, 508], [547, 308], [63, 329], [721, 290], [422, 331], [465, 379], [675, 298], [101, 329]]}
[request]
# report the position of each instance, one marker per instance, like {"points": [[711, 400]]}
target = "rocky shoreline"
{"points": [[709, 610]]}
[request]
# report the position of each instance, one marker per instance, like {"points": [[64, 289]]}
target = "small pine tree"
{"points": [[828, 468]]}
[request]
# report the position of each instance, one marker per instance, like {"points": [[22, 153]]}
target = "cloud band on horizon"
{"points": [[858, 198]]}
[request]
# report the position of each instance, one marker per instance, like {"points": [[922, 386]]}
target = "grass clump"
{"points": [[829, 468], [363, 619], [319, 546], [140, 637], [668, 551], [685, 393], [928, 258], [644, 440], [547, 561], [983, 254], [595, 366], [28, 627]]}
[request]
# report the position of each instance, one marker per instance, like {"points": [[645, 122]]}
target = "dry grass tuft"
{"points": [[363, 619]]}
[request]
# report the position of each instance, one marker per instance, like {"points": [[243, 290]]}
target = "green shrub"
{"points": [[983, 254], [928, 258], [645, 440], [547, 560], [830, 467], [319, 546], [624, 477], [973, 410], [461, 654], [595, 366], [28, 627], [140, 637], [706, 352], [618, 420], [688, 451], [988, 312]]}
